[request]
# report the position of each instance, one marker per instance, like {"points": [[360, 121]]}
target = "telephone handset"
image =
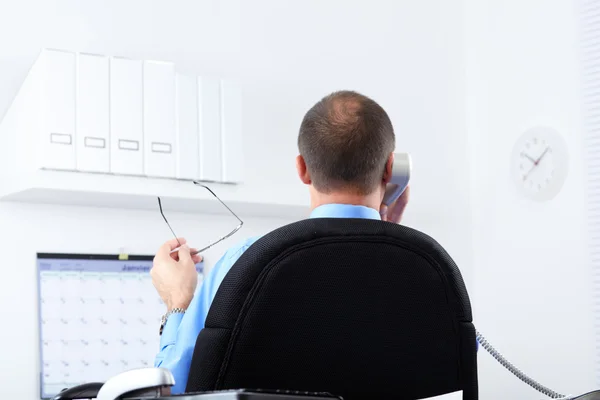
{"points": [[400, 177]]}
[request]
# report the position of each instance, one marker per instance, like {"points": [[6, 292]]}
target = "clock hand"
{"points": [[535, 163], [528, 156], [529, 172], [542, 156]]}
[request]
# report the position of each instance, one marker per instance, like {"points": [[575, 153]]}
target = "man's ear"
{"points": [[387, 174], [302, 170]]}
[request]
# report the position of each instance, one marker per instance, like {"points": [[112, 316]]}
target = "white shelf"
{"points": [[34, 168], [99, 190]]}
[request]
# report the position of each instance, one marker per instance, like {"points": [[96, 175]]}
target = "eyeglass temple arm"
{"points": [[237, 228], [165, 218], [225, 205]]}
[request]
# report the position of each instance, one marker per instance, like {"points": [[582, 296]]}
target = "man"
{"points": [[346, 144]]}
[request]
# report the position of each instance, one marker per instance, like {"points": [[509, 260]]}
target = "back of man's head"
{"points": [[346, 140]]}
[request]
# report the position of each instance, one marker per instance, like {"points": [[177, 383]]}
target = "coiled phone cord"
{"points": [[515, 371]]}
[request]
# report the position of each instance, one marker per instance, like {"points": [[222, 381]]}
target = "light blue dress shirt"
{"points": [[181, 330]]}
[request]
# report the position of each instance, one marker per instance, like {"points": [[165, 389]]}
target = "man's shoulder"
{"points": [[227, 260], [234, 252]]}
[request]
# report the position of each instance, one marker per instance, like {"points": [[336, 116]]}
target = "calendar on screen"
{"points": [[98, 316]]}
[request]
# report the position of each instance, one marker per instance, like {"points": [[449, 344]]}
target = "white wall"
{"points": [[288, 55], [532, 296], [26, 229], [514, 63], [405, 54]]}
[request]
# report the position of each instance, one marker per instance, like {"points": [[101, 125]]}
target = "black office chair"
{"points": [[351, 307]]}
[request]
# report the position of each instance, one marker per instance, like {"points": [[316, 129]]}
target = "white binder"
{"points": [[159, 119], [57, 136], [231, 132], [92, 116], [209, 106], [187, 139], [126, 117]]}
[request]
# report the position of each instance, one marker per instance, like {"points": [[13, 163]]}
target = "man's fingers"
{"points": [[184, 253], [174, 243], [178, 253], [171, 245], [383, 210], [397, 210], [393, 212], [195, 256], [396, 216], [404, 197]]}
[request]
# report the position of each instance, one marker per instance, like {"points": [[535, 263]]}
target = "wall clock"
{"points": [[539, 163]]}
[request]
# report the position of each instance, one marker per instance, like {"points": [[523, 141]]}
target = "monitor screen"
{"points": [[99, 315]]}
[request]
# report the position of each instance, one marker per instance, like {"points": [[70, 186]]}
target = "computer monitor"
{"points": [[99, 315]]}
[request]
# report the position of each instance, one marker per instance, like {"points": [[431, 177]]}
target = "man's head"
{"points": [[346, 142]]}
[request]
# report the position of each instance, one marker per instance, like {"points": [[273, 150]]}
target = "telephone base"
{"points": [[595, 395]]}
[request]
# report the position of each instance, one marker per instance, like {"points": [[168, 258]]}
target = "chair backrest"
{"points": [[354, 307]]}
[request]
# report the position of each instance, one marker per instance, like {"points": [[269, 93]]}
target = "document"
{"points": [[449, 396]]}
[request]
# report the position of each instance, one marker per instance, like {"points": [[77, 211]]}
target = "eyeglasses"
{"points": [[237, 228]]}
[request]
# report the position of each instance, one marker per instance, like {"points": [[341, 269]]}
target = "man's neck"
{"points": [[371, 201]]}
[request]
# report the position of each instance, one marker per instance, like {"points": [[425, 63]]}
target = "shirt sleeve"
{"points": [[181, 330]]}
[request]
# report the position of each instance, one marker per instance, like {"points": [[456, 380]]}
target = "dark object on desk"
{"points": [[355, 307], [362, 309], [595, 395], [85, 391], [242, 394]]}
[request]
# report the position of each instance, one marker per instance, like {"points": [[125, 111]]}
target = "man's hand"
{"points": [[174, 274], [394, 212]]}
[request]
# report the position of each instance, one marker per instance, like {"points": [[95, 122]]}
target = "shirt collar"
{"points": [[344, 211]]}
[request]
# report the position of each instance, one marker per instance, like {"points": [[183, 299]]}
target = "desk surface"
{"points": [[249, 395], [242, 395]]}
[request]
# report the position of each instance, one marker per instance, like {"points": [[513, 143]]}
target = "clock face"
{"points": [[539, 163]]}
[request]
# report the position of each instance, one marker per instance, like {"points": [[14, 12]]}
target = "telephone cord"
{"points": [[515, 371]]}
